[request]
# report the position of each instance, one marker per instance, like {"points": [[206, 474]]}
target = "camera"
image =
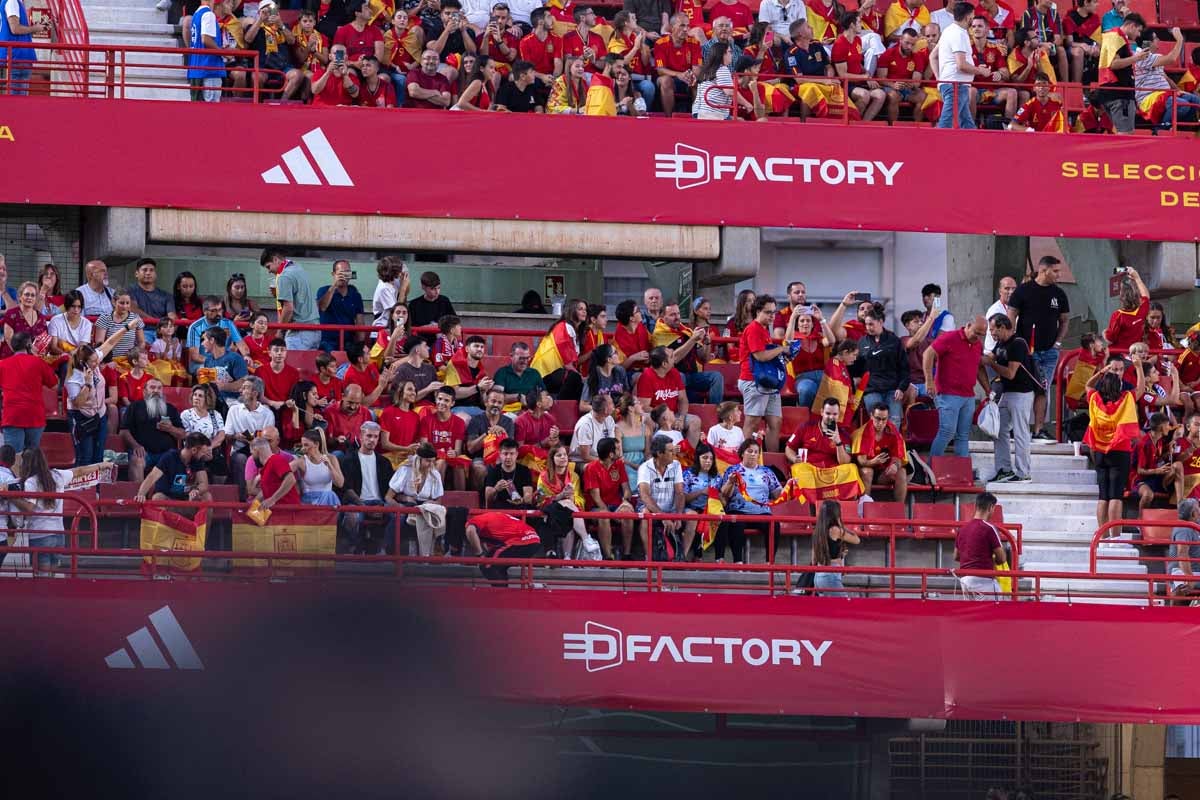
{"points": [[862, 297], [1121, 270]]}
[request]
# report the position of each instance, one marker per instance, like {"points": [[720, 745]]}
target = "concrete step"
{"points": [[1120, 567], [1064, 586], [1033, 489], [1079, 477], [1073, 554], [112, 15], [984, 461], [1043, 506], [125, 40], [1078, 526], [1037, 449], [1103, 601], [134, 33]]}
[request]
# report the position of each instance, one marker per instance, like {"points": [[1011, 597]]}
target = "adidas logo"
{"points": [[146, 649], [301, 168]]}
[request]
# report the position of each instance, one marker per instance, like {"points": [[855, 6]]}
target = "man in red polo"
{"points": [[544, 50], [677, 59], [955, 358], [584, 42]]}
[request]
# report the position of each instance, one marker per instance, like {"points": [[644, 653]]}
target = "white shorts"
{"points": [[757, 403]]}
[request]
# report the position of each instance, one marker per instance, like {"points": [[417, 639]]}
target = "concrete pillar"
{"points": [[970, 274], [114, 234], [1144, 754], [739, 259]]}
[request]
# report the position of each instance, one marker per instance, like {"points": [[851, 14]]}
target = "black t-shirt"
{"points": [[454, 42], [423, 312], [520, 476], [176, 475], [144, 430], [1038, 307], [516, 100], [479, 425], [1015, 350]]}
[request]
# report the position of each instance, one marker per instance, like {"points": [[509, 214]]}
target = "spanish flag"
{"points": [[491, 449], [777, 99], [313, 530], [1110, 45], [1081, 373], [823, 20], [708, 529], [166, 530], [1153, 106], [1017, 61], [665, 336], [1113, 426], [931, 109], [548, 486], [1190, 79], [867, 442], [835, 383], [831, 483], [166, 371], [725, 458], [407, 50], [899, 16], [687, 454], [600, 100], [458, 371], [533, 457], [556, 350]]}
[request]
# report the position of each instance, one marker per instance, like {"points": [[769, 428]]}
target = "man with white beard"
{"points": [[151, 429]]}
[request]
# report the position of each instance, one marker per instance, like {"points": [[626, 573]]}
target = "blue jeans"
{"points": [[954, 422], [399, 83], [946, 120], [705, 387], [90, 449], [351, 525], [1186, 113], [829, 584], [648, 91], [303, 340], [1047, 362], [47, 561], [807, 384], [18, 80], [895, 407], [22, 438]]}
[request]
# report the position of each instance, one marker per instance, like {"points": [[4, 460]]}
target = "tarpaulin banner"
{"points": [[324, 161], [652, 651]]}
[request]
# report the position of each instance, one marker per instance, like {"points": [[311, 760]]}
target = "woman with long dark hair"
{"points": [[714, 84], [1158, 333], [50, 296], [1126, 325], [607, 376], [238, 305], [558, 353], [568, 95], [697, 479], [477, 95], [187, 302], [829, 544], [591, 335], [1112, 429], [45, 524], [742, 316], [317, 472], [300, 413]]}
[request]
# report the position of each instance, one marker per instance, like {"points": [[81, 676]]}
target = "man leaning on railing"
{"points": [[15, 60]]}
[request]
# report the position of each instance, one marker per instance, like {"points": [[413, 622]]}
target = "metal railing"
{"points": [[70, 28]]}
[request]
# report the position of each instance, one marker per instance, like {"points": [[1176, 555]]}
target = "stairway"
{"points": [[1057, 512], [137, 22]]}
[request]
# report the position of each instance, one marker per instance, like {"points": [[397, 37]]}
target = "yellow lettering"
{"points": [[1091, 170], [1108, 173], [1191, 199], [1070, 169], [1175, 172], [1130, 172], [6, 133], [1153, 172], [1168, 199]]}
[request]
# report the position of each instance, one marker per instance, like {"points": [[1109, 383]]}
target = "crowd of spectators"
{"points": [[950, 66]]}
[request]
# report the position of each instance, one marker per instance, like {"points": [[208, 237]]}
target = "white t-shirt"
{"points": [[12, 8], [208, 25], [429, 492], [370, 481], [520, 10], [588, 431], [385, 298], [60, 328], [242, 420], [662, 485], [208, 424], [713, 92], [942, 18], [997, 307], [955, 39], [6, 480], [729, 439], [44, 521], [95, 303]]}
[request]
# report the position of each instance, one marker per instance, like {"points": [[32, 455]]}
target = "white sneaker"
{"points": [[163, 5]]}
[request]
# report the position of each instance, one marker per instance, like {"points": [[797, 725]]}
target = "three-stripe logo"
{"points": [[146, 649], [301, 168]]}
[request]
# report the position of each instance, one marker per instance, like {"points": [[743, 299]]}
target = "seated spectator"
{"points": [[848, 62], [71, 328], [631, 337], [273, 40], [690, 351], [149, 301], [1154, 470], [1185, 548], [245, 421], [535, 426], [167, 353], [400, 425], [543, 51], [276, 480], [518, 94], [560, 498], [277, 375], [977, 547], [417, 484], [466, 376], [251, 472], [626, 95], [1154, 397], [663, 385], [727, 434], [152, 427], [188, 305], [449, 341], [225, 368], [301, 412], [389, 339], [698, 479], [402, 45], [660, 491], [344, 418], [1029, 57], [365, 375], [663, 422], [1187, 367], [366, 481], [606, 376], [880, 453], [414, 366], [992, 55], [258, 341], [1043, 114], [317, 472], [677, 58], [179, 474], [425, 87], [212, 318], [202, 417], [121, 318], [591, 428], [447, 432], [339, 303], [97, 297], [50, 295], [507, 484], [477, 95], [819, 452], [591, 335], [239, 306], [374, 89], [903, 64], [606, 488], [517, 378], [130, 385], [485, 431], [568, 95], [747, 489]]}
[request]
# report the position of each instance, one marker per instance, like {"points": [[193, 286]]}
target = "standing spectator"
{"points": [[431, 306], [149, 301], [206, 70], [196, 351], [977, 547], [1008, 285], [517, 378], [677, 58], [23, 376], [97, 298], [1041, 312], [956, 356], [1112, 429], [882, 357], [660, 489], [86, 394], [956, 69], [294, 298], [1117, 60], [390, 291], [15, 27], [1126, 326], [943, 320], [1011, 360], [344, 419], [45, 528], [151, 429], [748, 489], [366, 475], [760, 403], [652, 15], [880, 453], [339, 304], [830, 542], [1185, 547], [121, 319], [606, 488], [244, 421], [591, 428]]}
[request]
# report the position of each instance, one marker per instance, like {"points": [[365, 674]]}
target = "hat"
{"points": [[699, 301], [412, 341], [265, 5]]}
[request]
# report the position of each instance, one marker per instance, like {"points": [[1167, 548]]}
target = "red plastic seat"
{"points": [[223, 493], [794, 508], [493, 363], [303, 360], [565, 414], [793, 418], [178, 396], [1177, 12], [1149, 10], [940, 512], [1156, 533], [885, 510], [707, 414], [461, 499], [849, 511], [502, 344], [922, 427], [58, 449], [953, 474], [55, 406], [779, 461], [730, 373], [116, 500]]}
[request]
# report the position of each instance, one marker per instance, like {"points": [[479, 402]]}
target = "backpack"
{"points": [[665, 546], [769, 376]]}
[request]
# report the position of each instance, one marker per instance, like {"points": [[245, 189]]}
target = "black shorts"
{"points": [[1112, 473]]}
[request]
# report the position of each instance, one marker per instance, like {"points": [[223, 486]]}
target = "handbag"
{"points": [[770, 375], [85, 427]]}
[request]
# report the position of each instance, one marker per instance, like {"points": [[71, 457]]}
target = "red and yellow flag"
{"points": [[867, 442], [600, 100], [1190, 461], [835, 383], [900, 16], [313, 530], [166, 530], [1113, 426], [831, 483], [533, 457], [725, 458], [1081, 373], [1190, 79], [664, 335], [556, 350], [458, 371], [491, 449], [707, 529]]}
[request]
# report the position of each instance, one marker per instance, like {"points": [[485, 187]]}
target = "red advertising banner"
{"points": [[652, 651], [513, 166]]}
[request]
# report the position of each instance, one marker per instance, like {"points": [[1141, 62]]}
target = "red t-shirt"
{"points": [[22, 377], [678, 58], [278, 385], [1188, 365], [975, 542], [532, 430], [384, 95], [401, 426], [573, 44], [331, 391], [260, 351], [358, 43], [901, 67], [339, 424], [1038, 115], [821, 452], [368, 380], [541, 54], [495, 527], [436, 82], [1125, 327], [849, 53], [607, 479], [957, 363], [271, 477], [661, 391], [630, 343], [754, 339], [443, 435], [131, 388], [334, 93], [738, 13]]}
